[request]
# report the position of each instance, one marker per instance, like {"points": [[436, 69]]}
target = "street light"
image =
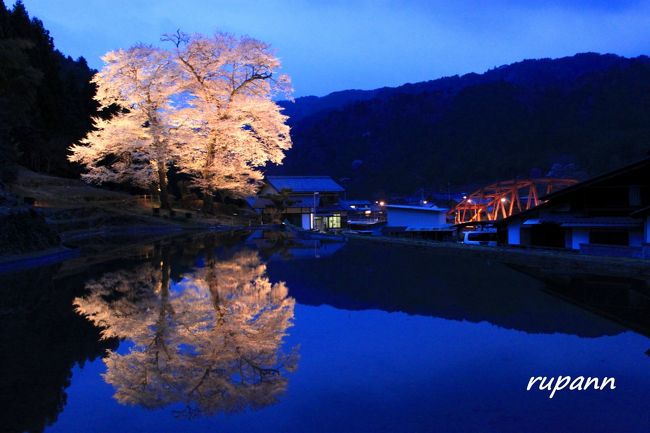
{"points": [[313, 214]]}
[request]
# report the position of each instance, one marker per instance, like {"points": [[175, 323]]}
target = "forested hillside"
{"points": [[585, 114], [46, 98]]}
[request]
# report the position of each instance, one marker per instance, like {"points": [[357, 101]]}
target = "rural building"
{"points": [[605, 215], [364, 214], [310, 202], [358, 206], [426, 221]]}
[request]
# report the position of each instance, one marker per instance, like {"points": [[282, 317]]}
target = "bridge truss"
{"points": [[502, 199]]}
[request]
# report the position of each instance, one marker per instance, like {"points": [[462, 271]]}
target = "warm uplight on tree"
{"points": [[205, 106], [137, 143], [237, 126]]}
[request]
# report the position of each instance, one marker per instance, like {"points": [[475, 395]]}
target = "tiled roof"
{"points": [[304, 184]]}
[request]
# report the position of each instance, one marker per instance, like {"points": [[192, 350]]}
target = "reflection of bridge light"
{"points": [[469, 201]]}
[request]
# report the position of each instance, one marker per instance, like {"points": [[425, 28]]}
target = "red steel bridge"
{"points": [[502, 199]]}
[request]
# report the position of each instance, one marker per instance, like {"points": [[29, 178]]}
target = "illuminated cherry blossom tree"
{"points": [[206, 106], [232, 82], [137, 144], [212, 342]]}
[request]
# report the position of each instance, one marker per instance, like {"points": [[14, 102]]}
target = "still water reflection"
{"points": [[257, 333], [211, 340]]}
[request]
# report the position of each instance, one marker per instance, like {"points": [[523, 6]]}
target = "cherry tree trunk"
{"points": [[162, 184], [208, 203]]}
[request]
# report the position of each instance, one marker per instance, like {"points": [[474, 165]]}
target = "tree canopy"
{"points": [[205, 106], [135, 144]]}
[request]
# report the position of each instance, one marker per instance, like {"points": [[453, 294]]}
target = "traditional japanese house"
{"points": [[606, 215], [310, 202]]}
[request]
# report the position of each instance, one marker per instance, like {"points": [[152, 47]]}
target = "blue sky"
{"points": [[329, 45]]}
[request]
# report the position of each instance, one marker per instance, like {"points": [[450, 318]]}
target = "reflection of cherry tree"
{"points": [[211, 342]]}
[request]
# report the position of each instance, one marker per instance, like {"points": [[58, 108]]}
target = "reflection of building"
{"points": [[427, 221], [607, 215], [312, 202], [431, 282], [286, 245]]}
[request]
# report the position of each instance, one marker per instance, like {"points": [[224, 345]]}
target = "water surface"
{"points": [[254, 333]]}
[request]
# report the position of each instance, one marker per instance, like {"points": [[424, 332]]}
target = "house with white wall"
{"points": [[426, 221], [605, 215], [310, 202]]}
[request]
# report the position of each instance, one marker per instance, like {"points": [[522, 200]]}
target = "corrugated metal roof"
{"points": [[304, 184], [420, 208], [571, 221]]}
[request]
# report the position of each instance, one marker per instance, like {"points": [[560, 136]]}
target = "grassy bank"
{"points": [[42, 215]]}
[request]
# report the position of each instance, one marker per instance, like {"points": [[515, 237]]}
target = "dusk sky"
{"points": [[335, 45]]}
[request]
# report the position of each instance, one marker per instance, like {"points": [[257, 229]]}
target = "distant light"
{"points": [[503, 200], [469, 200], [353, 206], [464, 197], [376, 202], [382, 203], [368, 212], [424, 202]]}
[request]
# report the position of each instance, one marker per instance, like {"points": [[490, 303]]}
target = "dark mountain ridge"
{"points": [[589, 112], [527, 72]]}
